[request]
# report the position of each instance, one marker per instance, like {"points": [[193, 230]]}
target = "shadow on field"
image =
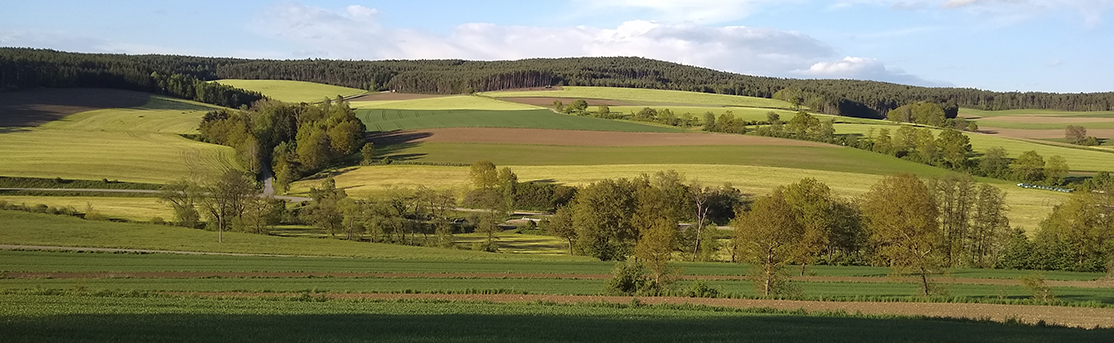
{"points": [[622, 325], [37, 106], [396, 137]]}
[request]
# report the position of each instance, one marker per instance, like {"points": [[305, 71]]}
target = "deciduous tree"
{"points": [[900, 213]]}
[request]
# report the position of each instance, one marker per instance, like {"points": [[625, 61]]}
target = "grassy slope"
{"points": [[134, 144], [1037, 113], [389, 119], [293, 91], [990, 122], [456, 102], [42, 318], [648, 96], [41, 229], [128, 208], [1078, 159]]}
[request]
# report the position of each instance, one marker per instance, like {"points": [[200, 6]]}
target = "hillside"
{"points": [[30, 68]]}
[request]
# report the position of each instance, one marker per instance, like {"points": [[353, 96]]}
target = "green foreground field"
{"points": [[645, 96], [38, 318], [293, 91]]}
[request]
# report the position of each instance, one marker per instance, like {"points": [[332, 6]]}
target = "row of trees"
{"points": [[293, 139], [230, 201], [28, 68]]}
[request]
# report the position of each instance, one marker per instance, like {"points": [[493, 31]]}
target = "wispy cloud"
{"points": [[697, 11], [1003, 12], [863, 68], [69, 42]]}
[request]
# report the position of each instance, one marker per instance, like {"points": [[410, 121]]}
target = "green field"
{"points": [[454, 102], [1079, 159], [160, 114], [140, 209], [293, 91], [744, 113], [646, 96], [991, 123], [392, 119], [1035, 113], [49, 230], [65, 318]]}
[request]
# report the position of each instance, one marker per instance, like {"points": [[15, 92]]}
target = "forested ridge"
{"points": [[29, 68]]}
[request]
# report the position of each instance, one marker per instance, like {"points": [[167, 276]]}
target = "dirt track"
{"points": [[1068, 316], [579, 138], [37, 106]]}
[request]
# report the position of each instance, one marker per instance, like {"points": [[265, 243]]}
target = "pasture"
{"points": [[454, 102], [974, 113], [394, 119], [744, 113], [1079, 159], [138, 209], [293, 91], [49, 318], [160, 114], [645, 96]]}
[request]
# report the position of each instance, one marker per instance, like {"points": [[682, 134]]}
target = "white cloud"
{"points": [[1002, 12], [700, 11], [862, 68], [356, 33]]}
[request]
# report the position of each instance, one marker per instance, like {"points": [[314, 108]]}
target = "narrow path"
{"points": [[1080, 317]]}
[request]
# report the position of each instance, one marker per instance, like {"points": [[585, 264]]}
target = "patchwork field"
{"points": [[139, 209], [644, 96], [391, 119], [578, 138], [293, 91]]}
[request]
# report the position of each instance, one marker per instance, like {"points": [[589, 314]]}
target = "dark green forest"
{"points": [[184, 76]]}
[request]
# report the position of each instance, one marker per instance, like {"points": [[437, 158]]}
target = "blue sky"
{"points": [[1003, 45]]}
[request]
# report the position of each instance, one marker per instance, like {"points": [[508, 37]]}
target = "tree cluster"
{"points": [[1078, 235], [230, 201], [1077, 135]]}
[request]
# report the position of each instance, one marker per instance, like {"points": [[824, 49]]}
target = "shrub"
{"points": [[95, 216], [158, 221], [628, 278], [1035, 284], [699, 289]]}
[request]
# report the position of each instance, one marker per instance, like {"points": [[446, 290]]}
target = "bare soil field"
{"points": [[35, 107], [1068, 316], [549, 101], [578, 138], [386, 96], [1043, 134]]}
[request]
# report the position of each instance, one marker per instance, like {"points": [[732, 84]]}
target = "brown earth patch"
{"points": [[578, 138], [1101, 283], [1059, 315], [547, 101], [386, 96], [1046, 120], [37, 106]]}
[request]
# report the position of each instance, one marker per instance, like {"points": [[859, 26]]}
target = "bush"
{"points": [[485, 246], [95, 216], [158, 221], [700, 289], [1035, 284], [628, 278]]}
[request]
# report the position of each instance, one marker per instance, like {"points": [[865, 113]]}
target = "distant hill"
{"points": [[30, 68]]}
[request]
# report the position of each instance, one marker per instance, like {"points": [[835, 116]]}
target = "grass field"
{"points": [[456, 102], [1078, 159], [293, 91], [1028, 206], [392, 119], [970, 112], [647, 96], [45, 318], [125, 156], [992, 123], [127, 208], [40, 229]]}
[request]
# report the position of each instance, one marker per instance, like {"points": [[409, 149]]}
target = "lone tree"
{"points": [[900, 212], [182, 197], [224, 198], [766, 237], [1075, 134]]}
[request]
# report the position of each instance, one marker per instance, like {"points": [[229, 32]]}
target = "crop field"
{"points": [[1047, 123], [578, 138], [744, 113], [645, 96], [395, 119], [44, 318], [970, 112], [1079, 159], [455, 102], [159, 114], [128, 208], [125, 156], [293, 91]]}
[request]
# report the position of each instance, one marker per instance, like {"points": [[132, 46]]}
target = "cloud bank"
{"points": [[356, 33]]}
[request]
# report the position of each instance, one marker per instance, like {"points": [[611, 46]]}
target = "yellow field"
{"points": [[650, 96], [456, 102], [129, 208], [1028, 206], [293, 91], [160, 114]]}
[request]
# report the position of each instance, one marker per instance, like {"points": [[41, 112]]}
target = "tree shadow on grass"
{"points": [[623, 325]]}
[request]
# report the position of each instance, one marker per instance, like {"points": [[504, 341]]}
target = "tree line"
{"points": [[28, 68]]}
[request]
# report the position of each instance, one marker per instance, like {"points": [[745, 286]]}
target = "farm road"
{"points": [[1069, 316]]}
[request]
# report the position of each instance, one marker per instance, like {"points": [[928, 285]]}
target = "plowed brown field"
{"points": [[579, 138]]}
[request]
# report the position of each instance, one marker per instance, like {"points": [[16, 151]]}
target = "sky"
{"points": [[1002, 45]]}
